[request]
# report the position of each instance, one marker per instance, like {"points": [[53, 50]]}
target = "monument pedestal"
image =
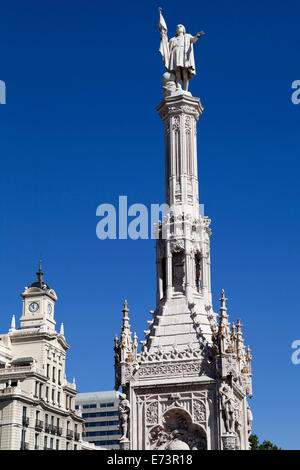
{"points": [[188, 385]]}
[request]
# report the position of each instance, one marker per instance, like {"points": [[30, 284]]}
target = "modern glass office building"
{"points": [[101, 418]]}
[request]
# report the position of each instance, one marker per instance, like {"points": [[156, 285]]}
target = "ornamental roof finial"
{"points": [[249, 355], [40, 272], [223, 300], [125, 311], [13, 323], [239, 326]]}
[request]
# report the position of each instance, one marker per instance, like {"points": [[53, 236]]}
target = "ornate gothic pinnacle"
{"points": [[125, 311], [239, 326], [135, 342], [249, 355], [223, 300]]}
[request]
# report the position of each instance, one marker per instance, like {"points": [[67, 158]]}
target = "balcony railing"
{"points": [[24, 446], [77, 436], [47, 427], [38, 424], [69, 434], [25, 421], [59, 431], [53, 429], [21, 370]]}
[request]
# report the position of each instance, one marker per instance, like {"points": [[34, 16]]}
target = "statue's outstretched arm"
{"points": [[195, 38]]}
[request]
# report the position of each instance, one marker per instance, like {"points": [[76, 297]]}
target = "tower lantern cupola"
{"points": [[38, 304]]}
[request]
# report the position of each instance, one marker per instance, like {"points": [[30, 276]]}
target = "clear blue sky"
{"points": [[80, 128]]}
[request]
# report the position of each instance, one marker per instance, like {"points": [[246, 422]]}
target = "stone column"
{"points": [[180, 113]]}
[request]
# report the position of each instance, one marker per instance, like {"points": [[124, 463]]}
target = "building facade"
{"points": [[188, 387], [37, 403], [100, 411]]}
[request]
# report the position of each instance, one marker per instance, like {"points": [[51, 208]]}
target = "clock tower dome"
{"points": [[38, 304]]}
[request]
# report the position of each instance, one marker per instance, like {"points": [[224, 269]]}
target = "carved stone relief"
{"points": [[177, 432], [152, 413]]}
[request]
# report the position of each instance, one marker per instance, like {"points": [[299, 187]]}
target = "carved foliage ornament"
{"points": [[199, 411], [176, 124], [177, 247], [152, 413]]}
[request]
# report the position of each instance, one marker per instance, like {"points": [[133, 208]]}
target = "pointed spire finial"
{"points": [[40, 272], [13, 323], [239, 326], [223, 300], [125, 311], [249, 355], [62, 330], [125, 308]]}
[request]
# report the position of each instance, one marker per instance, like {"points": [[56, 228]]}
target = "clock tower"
{"points": [[38, 304]]}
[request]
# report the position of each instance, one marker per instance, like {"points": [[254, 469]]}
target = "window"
{"points": [[48, 369], [104, 443], [103, 433], [76, 407], [23, 434], [59, 377], [53, 391], [101, 414], [75, 446], [47, 393], [36, 389], [53, 375], [68, 446], [106, 405], [36, 441], [45, 442], [95, 424], [51, 443], [25, 420], [57, 444], [41, 390], [89, 406], [58, 398]]}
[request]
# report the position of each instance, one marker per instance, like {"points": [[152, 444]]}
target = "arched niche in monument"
{"points": [[177, 431]]}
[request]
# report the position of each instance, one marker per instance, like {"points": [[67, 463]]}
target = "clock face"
{"points": [[49, 309], [33, 307]]}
